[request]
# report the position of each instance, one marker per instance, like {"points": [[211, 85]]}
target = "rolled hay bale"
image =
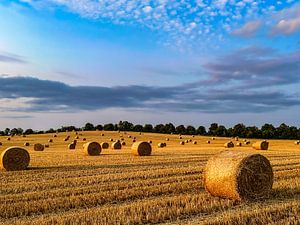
{"points": [[236, 138], [193, 136], [102, 135], [238, 144], [213, 138], [0, 143], [182, 142], [208, 141], [247, 142], [84, 139], [261, 145], [186, 141], [92, 148], [123, 143], [150, 142], [229, 144], [167, 139], [77, 137], [104, 145], [122, 139], [190, 140], [141, 148], [15, 158], [116, 145], [111, 139], [38, 147], [133, 140], [165, 144], [72, 146], [26, 144], [8, 138], [161, 145], [238, 175], [297, 142], [55, 135], [50, 140], [46, 146], [180, 137], [129, 136], [195, 142]]}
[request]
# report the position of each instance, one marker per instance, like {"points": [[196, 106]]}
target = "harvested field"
{"points": [[116, 187]]}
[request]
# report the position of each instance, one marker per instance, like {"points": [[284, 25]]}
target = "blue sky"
{"points": [[187, 62]]}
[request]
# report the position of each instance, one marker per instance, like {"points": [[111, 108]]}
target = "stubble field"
{"points": [[65, 186]]}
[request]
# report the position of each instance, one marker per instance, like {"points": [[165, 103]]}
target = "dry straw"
{"points": [[261, 145], [141, 148], [15, 158], [92, 148], [38, 147], [238, 175], [104, 145], [116, 145], [229, 144]]}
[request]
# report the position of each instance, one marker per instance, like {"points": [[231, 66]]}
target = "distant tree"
{"points": [[89, 126], [190, 130], [138, 128], [283, 131], [201, 130], [169, 128], [125, 126], [99, 127], [51, 130], [268, 131], [148, 128], [239, 130], [7, 131], [180, 129], [221, 131], [109, 127], [253, 132], [159, 128], [2, 133], [29, 131], [213, 129]]}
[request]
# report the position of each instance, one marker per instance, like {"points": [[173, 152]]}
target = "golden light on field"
{"points": [[69, 187]]}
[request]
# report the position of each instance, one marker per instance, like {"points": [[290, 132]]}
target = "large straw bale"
{"points": [[238, 175], [229, 144], [104, 145], [261, 145], [92, 148], [14, 158], [38, 147], [141, 148], [116, 145]]}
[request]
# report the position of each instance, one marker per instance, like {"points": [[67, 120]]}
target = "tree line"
{"points": [[267, 131]]}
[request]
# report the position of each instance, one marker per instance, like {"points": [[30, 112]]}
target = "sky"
{"points": [[191, 62]]}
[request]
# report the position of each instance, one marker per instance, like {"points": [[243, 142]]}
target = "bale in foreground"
{"points": [[238, 175], [92, 148], [38, 147], [141, 148], [15, 158]]}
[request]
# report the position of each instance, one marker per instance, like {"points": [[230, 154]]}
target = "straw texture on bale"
{"points": [[116, 145], [104, 145], [15, 158], [238, 175], [261, 145], [229, 144], [141, 148], [38, 147], [84, 139], [92, 148]]}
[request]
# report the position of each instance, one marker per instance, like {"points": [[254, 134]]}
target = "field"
{"points": [[64, 186]]}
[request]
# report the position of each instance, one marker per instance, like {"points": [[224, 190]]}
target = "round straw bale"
{"points": [[92, 148], [74, 141], [180, 137], [0, 143], [116, 145], [167, 139], [261, 145], [123, 143], [160, 145], [129, 136], [15, 158], [122, 139], [213, 138], [297, 142], [111, 139], [26, 144], [208, 142], [182, 142], [8, 138], [104, 145], [150, 142], [77, 137], [54, 135], [193, 136], [46, 146], [84, 139], [195, 142], [133, 140], [72, 146], [190, 140], [38, 147], [236, 138], [247, 142], [229, 144], [238, 175], [141, 148], [102, 135], [238, 144], [23, 135], [50, 140], [186, 141]]}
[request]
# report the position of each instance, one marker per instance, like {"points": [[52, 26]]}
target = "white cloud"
{"points": [[248, 30]]}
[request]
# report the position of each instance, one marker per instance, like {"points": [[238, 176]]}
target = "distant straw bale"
{"points": [[116, 145], [38, 147], [104, 145], [229, 144], [141, 148], [238, 175], [92, 148], [261, 145]]}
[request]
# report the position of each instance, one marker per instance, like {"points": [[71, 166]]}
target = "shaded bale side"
{"points": [[92, 148], [229, 144], [116, 145], [161, 145], [14, 158], [72, 146], [208, 142], [141, 148], [26, 144], [123, 143], [238, 175], [297, 142], [182, 142], [38, 147], [50, 140], [261, 145], [195, 142], [104, 145]]}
